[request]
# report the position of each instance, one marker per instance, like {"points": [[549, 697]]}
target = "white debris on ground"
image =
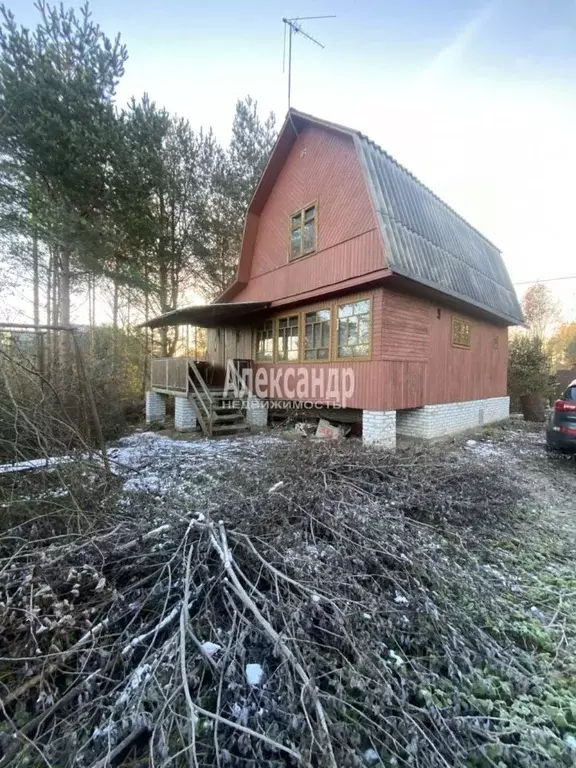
{"points": [[154, 464], [210, 649], [46, 463], [512, 447], [401, 600], [371, 756], [254, 674]]}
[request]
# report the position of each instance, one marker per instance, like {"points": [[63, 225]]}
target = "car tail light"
{"points": [[562, 405]]}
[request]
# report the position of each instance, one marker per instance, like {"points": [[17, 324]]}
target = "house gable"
{"points": [[375, 219], [321, 167]]}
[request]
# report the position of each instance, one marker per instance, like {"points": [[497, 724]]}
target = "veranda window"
{"points": [[317, 335], [264, 342], [354, 329], [287, 338]]}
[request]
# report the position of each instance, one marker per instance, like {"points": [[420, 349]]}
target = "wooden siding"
{"points": [[323, 167], [228, 344], [379, 383], [413, 361], [457, 374], [412, 330]]}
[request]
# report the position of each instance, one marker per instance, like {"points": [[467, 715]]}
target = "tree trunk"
{"points": [[115, 307], [36, 300], [164, 307], [65, 345]]}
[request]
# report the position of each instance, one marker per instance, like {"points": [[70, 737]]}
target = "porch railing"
{"points": [[170, 374]]}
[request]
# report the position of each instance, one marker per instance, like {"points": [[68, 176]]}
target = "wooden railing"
{"points": [[170, 374], [236, 383], [203, 400]]}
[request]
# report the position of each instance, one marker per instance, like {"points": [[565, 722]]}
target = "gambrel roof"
{"points": [[425, 240]]}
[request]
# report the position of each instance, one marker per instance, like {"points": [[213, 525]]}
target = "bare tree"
{"points": [[541, 310]]}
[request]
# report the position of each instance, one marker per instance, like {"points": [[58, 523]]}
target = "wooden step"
{"points": [[230, 427], [218, 417]]}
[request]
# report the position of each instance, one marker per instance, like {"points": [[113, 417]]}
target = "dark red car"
{"points": [[561, 429]]}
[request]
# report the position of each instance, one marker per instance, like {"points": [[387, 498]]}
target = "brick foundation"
{"points": [[434, 421], [379, 428], [184, 414], [155, 407]]}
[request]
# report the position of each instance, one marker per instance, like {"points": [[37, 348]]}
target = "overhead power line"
{"points": [[545, 280]]}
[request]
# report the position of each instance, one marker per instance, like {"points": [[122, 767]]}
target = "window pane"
{"points": [[317, 335], [361, 307], [288, 338], [460, 332], [297, 221], [363, 329], [309, 237], [295, 243], [264, 342], [352, 331]]}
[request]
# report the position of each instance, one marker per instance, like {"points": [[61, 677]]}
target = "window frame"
{"points": [[301, 212], [331, 307], [275, 339], [255, 332], [328, 308], [337, 305], [458, 319]]}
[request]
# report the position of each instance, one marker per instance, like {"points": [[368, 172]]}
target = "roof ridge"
{"points": [[347, 129]]}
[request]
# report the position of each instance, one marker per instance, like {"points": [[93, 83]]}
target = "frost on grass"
{"points": [[153, 464], [388, 597]]}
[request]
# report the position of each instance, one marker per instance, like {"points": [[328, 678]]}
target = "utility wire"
{"points": [[546, 280]]}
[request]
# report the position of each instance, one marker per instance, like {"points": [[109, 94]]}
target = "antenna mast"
{"points": [[293, 27]]}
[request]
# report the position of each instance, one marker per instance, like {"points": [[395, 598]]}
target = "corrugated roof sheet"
{"points": [[430, 243]]}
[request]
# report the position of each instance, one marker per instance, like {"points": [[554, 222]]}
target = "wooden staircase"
{"points": [[217, 412]]}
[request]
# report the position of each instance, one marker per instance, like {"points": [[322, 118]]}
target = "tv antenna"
{"points": [[293, 27]]}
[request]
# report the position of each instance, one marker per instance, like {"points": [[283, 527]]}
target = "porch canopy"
{"points": [[208, 315]]}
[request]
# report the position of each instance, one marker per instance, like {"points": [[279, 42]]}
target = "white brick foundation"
{"points": [[155, 407], [379, 428], [256, 412], [434, 421], [184, 414]]}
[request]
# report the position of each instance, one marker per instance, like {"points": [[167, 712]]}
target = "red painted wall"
{"points": [[321, 167], [413, 361]]}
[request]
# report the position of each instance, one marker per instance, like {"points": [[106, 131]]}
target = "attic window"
{"points": [[461, 331], [303, 232]]}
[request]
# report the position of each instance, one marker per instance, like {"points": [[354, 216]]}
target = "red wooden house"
{"points": [[356, 287]]}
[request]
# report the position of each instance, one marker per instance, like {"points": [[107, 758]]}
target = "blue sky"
{"points": [[478, 99]]}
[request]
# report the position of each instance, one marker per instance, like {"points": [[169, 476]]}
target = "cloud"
{"points": [[449, 57]]}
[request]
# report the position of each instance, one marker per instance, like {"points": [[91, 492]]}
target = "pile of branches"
{"points": [[323, 606]]}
